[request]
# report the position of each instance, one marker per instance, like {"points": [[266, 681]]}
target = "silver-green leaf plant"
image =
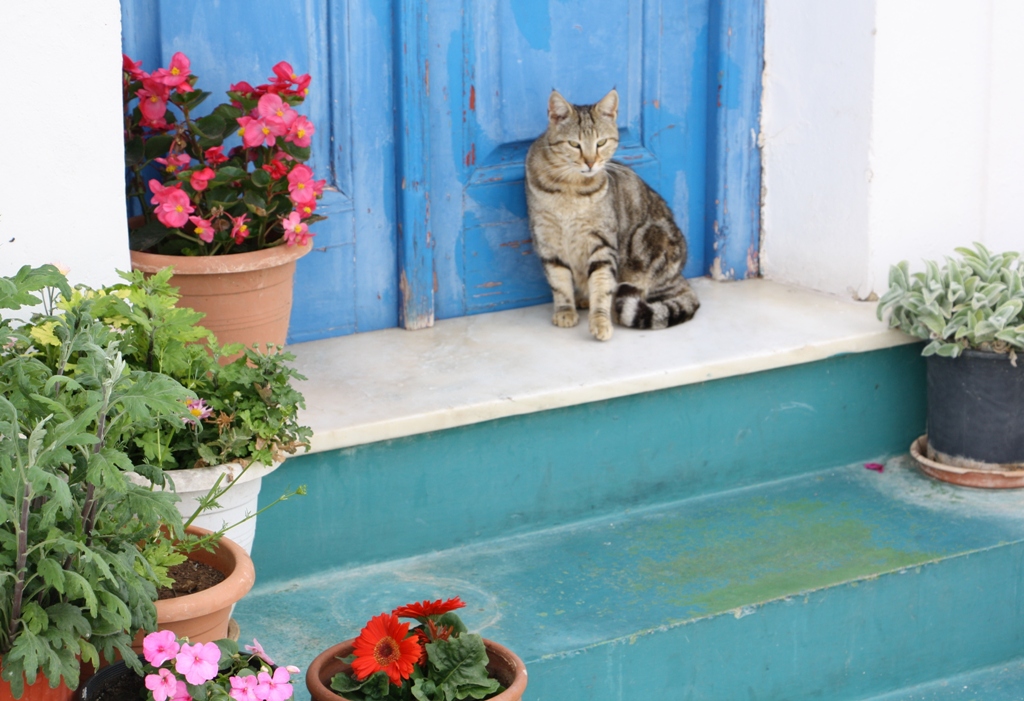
{"points": [[974, 301]]}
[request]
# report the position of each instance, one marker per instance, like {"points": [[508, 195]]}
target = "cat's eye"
{"points": [[574, 144], [602, 142]]}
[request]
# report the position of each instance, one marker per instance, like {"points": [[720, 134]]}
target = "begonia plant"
{"points": [[194, 198], [436, 659]]}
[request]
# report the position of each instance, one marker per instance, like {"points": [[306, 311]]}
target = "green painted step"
{"points": [[1004, 682], [839, 584], [443, 489]]}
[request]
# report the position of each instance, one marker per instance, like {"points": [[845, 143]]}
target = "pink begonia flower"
{"points": [[244, 688], [155, 87], [274, 688], [176, 75], [161, 193], [300, 132], [257, 650], [205, 232], [306, 209], [283, 73], [174, 161], [198, 662], [300, 184], [201, 178], [132, 68], [240, 232], [318, 187], [253, 131], [276, 113], [296, 231], [215, 155], [163, 684], [159, 647], [152, 106], [174, 211]]}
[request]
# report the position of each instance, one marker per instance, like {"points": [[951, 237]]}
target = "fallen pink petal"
{"points": [[876, 466]]}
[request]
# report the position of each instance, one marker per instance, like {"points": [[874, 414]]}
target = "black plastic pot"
{"points": [[976, 409], [113, 683]]}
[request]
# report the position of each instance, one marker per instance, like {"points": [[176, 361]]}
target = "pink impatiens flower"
{"points": [[163, 684], [204, 230], [257, 650], [244, 688], [198, 662], [296, 231], [175, 208], [159, 647], [201, 178], [181, 693], [274, 688], [300, 132]]}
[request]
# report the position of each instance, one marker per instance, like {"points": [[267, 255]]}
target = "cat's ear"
{"points": [[609, 105], [558, 108]]}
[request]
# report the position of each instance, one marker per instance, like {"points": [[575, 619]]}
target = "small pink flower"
{"points": [[198, 662], [300, 132], [283, 73], [132, 68], [159, 647], [876, 466], [152, 106], [201, 178], [274, 688], [175, 210], [215, 155], [174, 161], [306, 209], [163, 684], [204, 230], [199, 411], [253, 131], [257, 650], [176, 75], [296, 231], [300, 184], [240, 232], [161, 193], [276, 114], [181, 693], [244, 688]]}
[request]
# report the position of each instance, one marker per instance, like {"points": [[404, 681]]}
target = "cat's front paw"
{"points": [[600, 327], [565, 318]]}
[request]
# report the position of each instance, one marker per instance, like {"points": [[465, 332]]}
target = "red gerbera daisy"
{"points": [[428, 608], [382, 646]]}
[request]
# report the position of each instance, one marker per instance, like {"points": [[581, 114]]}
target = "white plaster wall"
{"points": [[62, 174], [816, 130], [932, 104]]}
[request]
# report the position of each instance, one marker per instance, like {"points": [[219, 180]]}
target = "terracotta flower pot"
{"points": [[504, 665], [40, 691], [247, 297], [203, 617]]}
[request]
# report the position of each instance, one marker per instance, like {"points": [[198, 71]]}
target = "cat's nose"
{"points": [[589, 162]]}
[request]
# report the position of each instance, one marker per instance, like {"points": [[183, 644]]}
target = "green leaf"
{"points": [[261, 178], [459, 667], [158, 145], [147, 236], [52, 574], [211, 126], [135, 152]]}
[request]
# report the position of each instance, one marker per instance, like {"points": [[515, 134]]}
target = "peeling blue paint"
{"points": [[534, 22]]}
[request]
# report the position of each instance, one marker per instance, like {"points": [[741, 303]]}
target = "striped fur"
{"points": [[606, 239]]}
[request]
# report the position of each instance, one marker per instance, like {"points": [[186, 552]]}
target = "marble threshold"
{"points": [[393, 383]]}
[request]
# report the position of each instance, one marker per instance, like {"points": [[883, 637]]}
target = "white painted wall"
{"points": [[892, 130], [62, 174]]}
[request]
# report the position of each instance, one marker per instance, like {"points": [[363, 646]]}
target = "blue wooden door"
{"points": [[425, 110]]}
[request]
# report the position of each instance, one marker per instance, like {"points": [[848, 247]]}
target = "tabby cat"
{"points": [[606, 239]]}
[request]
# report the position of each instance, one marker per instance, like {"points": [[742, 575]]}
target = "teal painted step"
{"points": [[448, 488], [1004, 682], [840, 584]]}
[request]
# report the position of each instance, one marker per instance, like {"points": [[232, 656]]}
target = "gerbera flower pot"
{"points": [[247, 297], [235, 504], [504, 665], [203, 617]]}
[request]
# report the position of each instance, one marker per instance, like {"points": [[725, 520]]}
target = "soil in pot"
{"points": [[190, 577], [114, 683]]}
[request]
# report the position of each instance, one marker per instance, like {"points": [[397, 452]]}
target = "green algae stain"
{"points": [[760, 552]]}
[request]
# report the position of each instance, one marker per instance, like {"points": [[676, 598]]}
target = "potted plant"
{"points": [[75, 585], [231, 224], [970, 312], [434, 660], [178, 669], [242, 423]]}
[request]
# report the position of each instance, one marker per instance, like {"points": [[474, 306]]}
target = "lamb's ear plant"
{"points": [[74, 585], [974, 301]]}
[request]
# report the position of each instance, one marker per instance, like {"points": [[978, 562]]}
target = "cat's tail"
{"points": [[667, 306]]}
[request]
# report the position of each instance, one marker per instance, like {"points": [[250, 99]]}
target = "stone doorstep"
{"points": [[392, 383]]}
